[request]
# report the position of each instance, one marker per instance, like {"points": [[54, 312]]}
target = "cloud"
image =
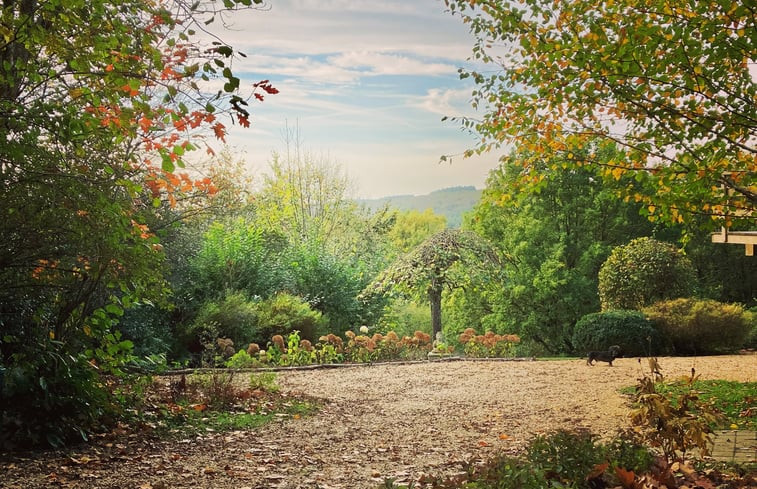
{"points": [[366, 81], [418, 28], [446, 102], [377, 63]]}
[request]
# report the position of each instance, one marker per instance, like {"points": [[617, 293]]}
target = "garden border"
{"points": [[319, 366]]}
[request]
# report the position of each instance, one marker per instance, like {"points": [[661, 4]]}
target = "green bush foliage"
{"points": [[643, 272], [404, 317], [52, 397], [233, 317], [242, 359], [331, 284], [700, 326], [237, 256], [630, 330], [563, 459], [751, 341], [284, 313]]}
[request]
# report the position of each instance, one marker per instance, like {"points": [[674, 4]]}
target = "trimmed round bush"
{"points": [[630, 330], [643, 272], [700, 326]]}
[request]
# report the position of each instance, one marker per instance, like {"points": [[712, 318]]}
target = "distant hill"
{"points": [[450, 202]]}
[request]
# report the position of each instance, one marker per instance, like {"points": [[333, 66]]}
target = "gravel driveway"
{"points": [[384, 421]]}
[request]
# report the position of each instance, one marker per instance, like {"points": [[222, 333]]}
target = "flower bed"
{"points": [[362, 348]]}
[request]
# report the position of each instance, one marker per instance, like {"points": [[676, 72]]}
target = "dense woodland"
{"points": [[121, 252]]}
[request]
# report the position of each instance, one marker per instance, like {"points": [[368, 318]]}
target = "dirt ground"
{"points": [[378, 422]]}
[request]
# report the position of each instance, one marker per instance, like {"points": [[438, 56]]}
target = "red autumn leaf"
{"points": [[597, 471], [180, 124], [626, 477], [243, 121], [145, 123], [220, 131]]}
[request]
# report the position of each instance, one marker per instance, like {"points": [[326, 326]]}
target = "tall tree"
{"points": [[554, 243], [306, 196], [671, 83], [99, 102]]}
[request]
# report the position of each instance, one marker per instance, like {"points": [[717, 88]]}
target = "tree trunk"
{"points": [[435, 298]]}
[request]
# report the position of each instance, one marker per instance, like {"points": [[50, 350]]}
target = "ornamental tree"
{"points": [[672, 84], [430, 267]]}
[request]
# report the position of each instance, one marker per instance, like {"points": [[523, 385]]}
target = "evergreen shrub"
{"points": [[631, 330], [700, 326], [285, 313], [643, 272], [233, 317]]}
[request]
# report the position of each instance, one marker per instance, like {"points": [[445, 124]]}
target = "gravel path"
{"points": [[381, 422]]}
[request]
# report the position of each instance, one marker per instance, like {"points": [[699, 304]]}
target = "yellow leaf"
{"points": [[503, 436]]}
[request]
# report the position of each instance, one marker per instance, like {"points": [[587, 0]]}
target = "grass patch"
{"points": [[737, 401], [219, 402], [189, 421]]}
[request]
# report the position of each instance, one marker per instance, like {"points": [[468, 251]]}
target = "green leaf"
{"points": [[167, 163]]}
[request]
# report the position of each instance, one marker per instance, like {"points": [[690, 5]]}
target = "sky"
{"points": [[366, 84]]}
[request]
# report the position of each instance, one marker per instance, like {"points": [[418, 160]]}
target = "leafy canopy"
{"points": [[99, 103], [555, 242], [669, 82]]}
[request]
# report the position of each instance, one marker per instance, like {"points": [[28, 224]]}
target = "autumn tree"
{"points": [[445, 259], [672, 84], [99, 103]]}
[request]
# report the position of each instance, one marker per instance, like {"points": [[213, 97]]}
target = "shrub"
{"points": [[630, 330], [242, 359], [674, 424], [404, 317], [562, 459], [565, 455], [218, 389], [55, 397], [285, 313], [643, 272], [233, 317], [700, 326], [751, 340]]}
